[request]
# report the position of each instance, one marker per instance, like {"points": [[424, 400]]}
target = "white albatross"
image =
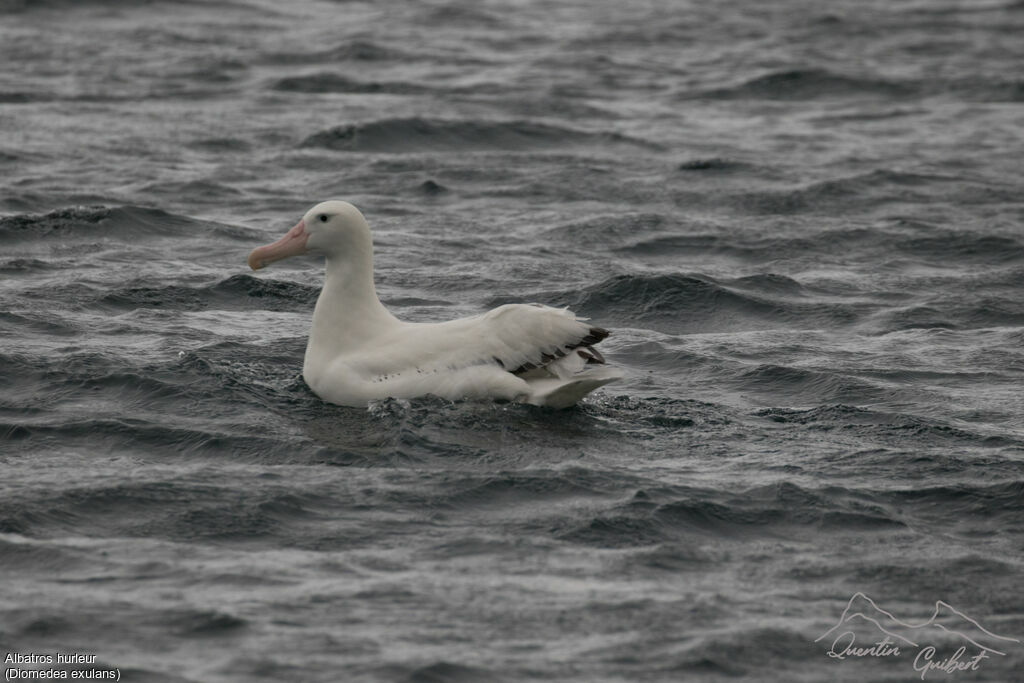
{"points": [[358, 351]]}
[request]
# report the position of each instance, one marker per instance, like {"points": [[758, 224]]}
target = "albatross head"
{"points": [[335, 229]]}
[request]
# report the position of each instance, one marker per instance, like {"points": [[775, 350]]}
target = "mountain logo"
{"points": [[947, 630]]}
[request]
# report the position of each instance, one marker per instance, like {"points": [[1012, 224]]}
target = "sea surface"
{"points": [[802, 221]]}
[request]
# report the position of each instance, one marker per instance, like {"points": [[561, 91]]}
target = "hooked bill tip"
{"points": [[292, 244]]}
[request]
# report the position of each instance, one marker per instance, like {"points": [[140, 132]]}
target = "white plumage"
{"points": [[358, 351]]}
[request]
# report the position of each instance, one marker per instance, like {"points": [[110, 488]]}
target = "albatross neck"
{"points": [[348, 312]]}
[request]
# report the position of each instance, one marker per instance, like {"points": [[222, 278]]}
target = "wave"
{"points": [[884, 426], [745, 653], [45, 322], [863, 192], [128, 222], [962, 246], [551, 104], [197, 190], [872, 113], [465, 16], [807, 84], [697, 303], [419, 135], [328, 82], [609, 229], [430, 188], [807, 387], [351, 51], [769, 282], [954, 312], [19, 97], [190, 623], [716, 165], [988, 90], [653, 355], [134, 399], [1005, 500], [916, 317], [237, 292], [526, 488], [26, 265], [168, 509], [657, 238], [15, 6], [436, 672], [872, 188], [812, 84], [674, 514], [220, 144], [24, 555], [132, 434]]}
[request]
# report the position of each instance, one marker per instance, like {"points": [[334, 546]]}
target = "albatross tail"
{"points": [[563, 393], [560, 384]]}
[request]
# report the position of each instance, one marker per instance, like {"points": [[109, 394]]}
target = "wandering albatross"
{"points": [[358, 351]]}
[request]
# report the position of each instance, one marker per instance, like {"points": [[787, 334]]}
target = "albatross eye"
{"points": [[323, 218]]}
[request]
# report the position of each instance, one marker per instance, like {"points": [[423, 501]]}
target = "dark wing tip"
{"points": [[583, 347], [594, 335], [591, 355]]}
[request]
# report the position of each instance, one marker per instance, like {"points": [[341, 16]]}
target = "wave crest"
{"points": [[420, 135]]}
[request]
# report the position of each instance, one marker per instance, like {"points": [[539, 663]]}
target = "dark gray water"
{"points": [[802, 221]]}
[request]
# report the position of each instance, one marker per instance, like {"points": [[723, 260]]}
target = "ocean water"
{"points": [[802, 221]]}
